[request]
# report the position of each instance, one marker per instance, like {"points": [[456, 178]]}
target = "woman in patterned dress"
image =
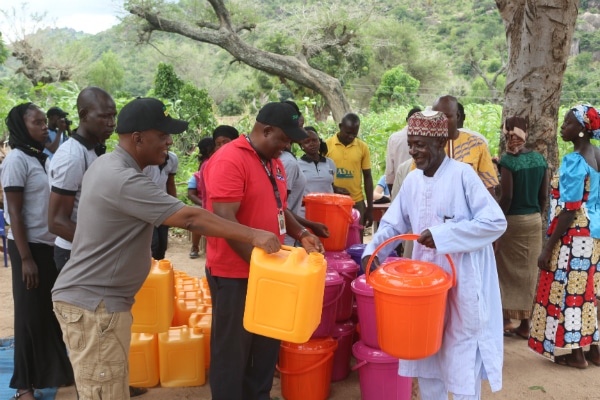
{"points": [[564, 319]]}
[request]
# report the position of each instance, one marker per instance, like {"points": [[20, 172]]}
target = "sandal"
{"points": [[194, 252], [18, 394], [135, 391]]}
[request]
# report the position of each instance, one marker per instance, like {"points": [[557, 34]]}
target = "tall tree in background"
{"points": [[226, 35], [107, 72], [538, 34]]}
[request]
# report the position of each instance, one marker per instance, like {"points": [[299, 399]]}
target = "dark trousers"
{"points": [[160, 238], [61, 256], [242, 364]]}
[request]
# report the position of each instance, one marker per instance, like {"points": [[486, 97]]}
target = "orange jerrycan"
{"points": [[153, 307], [181, 357], [203, 321], [143, 360], [285, 293], [410, 304]]}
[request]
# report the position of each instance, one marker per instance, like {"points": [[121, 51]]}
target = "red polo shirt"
{"points": [[236, 174]]}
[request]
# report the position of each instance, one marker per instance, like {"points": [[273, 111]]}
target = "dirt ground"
{"points": [[526, 375]]}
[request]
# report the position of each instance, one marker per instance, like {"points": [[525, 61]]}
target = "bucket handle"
{"points": [[337, 297], [309, 368], [358, 365], [348, 213], [407, 236]]}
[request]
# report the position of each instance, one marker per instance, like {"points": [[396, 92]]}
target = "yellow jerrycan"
{"points": [[285, 293], [181, 357], [143, 360], [153, 307]]}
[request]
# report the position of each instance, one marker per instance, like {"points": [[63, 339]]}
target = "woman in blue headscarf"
{"points": [[564, 319]]}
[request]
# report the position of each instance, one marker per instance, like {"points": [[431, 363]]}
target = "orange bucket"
{"points": [[410, 304], [306, 369], [333, 210]]}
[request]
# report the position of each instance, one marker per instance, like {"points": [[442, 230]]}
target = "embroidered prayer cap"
{"points": [[143, 114], [428, 123], [588, 117], [283, 116]]}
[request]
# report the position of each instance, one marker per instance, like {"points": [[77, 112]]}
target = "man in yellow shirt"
{"points": [[466, 147], [353, 165]]}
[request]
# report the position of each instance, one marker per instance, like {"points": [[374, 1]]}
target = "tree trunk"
{"points": [[225, 35], [538, 34]]}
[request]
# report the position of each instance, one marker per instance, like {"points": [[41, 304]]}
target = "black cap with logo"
{"points": [[143, 114], [283, 116]]}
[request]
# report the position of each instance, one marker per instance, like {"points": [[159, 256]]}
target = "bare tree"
{"points": [[226, 35], [539, 34]]}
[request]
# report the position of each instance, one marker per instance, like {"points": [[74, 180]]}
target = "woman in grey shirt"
{"points": [[40, 358]]}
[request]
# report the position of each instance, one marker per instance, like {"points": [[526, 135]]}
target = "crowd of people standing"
{"points": [[248, 192]]}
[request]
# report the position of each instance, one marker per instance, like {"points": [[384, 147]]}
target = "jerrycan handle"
{"points": [[406, 236]]}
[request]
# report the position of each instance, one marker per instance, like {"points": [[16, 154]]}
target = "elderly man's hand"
{"points": [[267, 241], [426, 239]]}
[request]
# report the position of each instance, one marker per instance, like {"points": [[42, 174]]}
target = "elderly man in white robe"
{"points": [[447, 203]]}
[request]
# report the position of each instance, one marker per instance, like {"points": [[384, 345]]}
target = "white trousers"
{"points": [[435, 389]]}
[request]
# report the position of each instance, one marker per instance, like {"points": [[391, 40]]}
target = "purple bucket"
{"points": [[378, 375], [356, 251], [348, 270], [343, 333], [333, 290], [365, 301]]}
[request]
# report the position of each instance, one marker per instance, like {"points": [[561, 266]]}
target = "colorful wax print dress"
{"points": [[564, 312]]}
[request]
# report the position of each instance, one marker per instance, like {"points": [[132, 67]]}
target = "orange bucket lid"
{"points": [[329, 198], [410, 278]]}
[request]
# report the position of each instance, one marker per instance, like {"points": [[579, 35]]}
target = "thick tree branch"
{"points": [[226, 37]]}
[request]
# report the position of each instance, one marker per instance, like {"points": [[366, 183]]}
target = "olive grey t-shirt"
{"points": [[110, 258]]}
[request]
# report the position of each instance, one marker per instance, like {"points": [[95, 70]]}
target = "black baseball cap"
{"points": [[283, 116], [143, 114], [56, 111]]}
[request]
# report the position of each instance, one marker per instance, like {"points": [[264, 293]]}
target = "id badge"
{"points": [[281, 220]]}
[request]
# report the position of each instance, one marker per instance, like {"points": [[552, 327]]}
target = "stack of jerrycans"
{"points": [[162, 348]]}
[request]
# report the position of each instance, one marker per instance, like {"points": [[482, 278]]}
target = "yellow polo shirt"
{"points": [[350, 161], [473, 150]]}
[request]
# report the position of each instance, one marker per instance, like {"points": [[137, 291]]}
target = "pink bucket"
{"points": [[348, 270], [334, 285], [354, 229], [365, 301], [378, 375], [343, 333], [337, 255]]}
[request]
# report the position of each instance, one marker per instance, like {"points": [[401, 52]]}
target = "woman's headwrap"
{"points": [[515, 126], [588, 118], [18, 134]]}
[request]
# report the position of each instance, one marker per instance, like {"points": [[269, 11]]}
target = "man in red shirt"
{"points": [[245, 182]]}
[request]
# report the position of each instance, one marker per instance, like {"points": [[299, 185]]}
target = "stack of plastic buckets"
{"points": [[343, 330], [377, 371]]}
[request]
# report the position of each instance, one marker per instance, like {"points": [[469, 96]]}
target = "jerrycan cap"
{"points": [[410, 277], [329, 198], [314, 346], [332, 278]]}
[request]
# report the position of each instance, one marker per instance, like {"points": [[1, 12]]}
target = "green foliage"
{"points": [[166, 82], [3, 50], [107, 72], [396, 87]]}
